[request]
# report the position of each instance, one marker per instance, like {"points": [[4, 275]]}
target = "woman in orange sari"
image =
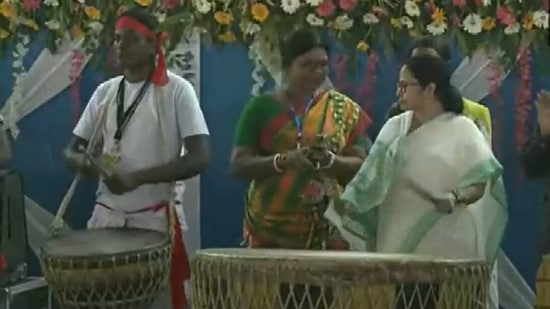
{"points": [[297, 146]]}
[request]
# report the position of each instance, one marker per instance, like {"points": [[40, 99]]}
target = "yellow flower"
{"points": [[227, 37], [488, 23], [223, 18], [395, 23], [260, 12], [144, 2], [438, 17], [528, 21], [4, 34], [92, 12], [363, 46], [30, 23], [7, 10], [77, 32]]}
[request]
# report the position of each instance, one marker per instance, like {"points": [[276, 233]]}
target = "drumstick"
{"points": [[57, 223]]}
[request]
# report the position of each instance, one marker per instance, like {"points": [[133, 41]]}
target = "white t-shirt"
{"points": [[154, 135]]}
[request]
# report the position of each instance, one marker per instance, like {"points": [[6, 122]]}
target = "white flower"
{"points": [[95, 26], [540, 19], [51, 2], [53, 24], [315, 21], [406, 22], [472, 24], [161, 17], [290, 6], [411, 8], [486, 2], [250, 28], [203, 6], [512, 29], [314, 3], [436, 29], [370, 19], [343, 22]]}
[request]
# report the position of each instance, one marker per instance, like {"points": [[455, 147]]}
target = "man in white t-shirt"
{"points": [[149, 115]]}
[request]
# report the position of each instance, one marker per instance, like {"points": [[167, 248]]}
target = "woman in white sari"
{"points": [[430, 184]]}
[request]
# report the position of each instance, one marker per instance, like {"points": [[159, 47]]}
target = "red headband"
{"points": [[159, 77]]}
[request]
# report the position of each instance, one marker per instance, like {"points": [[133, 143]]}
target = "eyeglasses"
{"points": [[402, 85]]}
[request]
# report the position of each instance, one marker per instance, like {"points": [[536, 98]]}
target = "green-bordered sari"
{"points": [[391, 216], [286, 210]]}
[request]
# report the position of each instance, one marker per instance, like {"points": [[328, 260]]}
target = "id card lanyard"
{"points": [[299, 120]]}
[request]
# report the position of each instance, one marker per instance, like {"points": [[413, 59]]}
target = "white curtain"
{"points": [[472, 79]]}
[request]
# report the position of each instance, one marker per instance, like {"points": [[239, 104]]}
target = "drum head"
{"points": [[101, 242]]}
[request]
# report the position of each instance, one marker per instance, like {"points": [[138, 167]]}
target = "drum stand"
{"points": [[29, 284], [13, 248]]}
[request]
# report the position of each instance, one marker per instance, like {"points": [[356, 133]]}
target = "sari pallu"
{"points": [[388, 215], [286, 210], [446, 153]]}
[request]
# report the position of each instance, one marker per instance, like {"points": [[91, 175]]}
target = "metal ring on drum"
{"points": [[296, 279], [115, 268]]}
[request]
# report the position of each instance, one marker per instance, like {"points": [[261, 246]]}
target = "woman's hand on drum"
{"points": [[120, 183]]}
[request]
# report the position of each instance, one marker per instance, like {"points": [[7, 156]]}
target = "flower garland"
{"points": [[19, 75], [358, 25], [522, 102], [77, 61]]}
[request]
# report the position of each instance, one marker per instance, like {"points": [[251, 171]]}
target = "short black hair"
{"points": [[144, 16], [443, 49], [298, 43], [428, 69]]}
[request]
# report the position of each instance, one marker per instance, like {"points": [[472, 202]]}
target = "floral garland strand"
{"points": [[77, 61], [522, 106], [19, 75]]}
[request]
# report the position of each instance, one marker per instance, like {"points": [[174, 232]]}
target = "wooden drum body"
{"points": [[107, 268], [276, 279]]}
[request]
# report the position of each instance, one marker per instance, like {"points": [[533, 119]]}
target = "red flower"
{"points": [[505, 16], [326, 8], [170, 4], [31, 5], [459, 3], [347, 5]]}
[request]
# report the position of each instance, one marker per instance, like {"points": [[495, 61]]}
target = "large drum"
{"points": [[107, 268], [276, 279]]}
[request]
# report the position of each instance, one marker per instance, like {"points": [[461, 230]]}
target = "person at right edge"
{"points": [[535, 161]]}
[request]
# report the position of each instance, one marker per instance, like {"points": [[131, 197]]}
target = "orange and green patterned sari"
{"points": [[286, 210]]}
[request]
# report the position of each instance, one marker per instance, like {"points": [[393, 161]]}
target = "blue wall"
{"points": [[225, 87]]}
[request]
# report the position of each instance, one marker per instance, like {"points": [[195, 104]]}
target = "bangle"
{"points": [[276, 159], [331, 161]]}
